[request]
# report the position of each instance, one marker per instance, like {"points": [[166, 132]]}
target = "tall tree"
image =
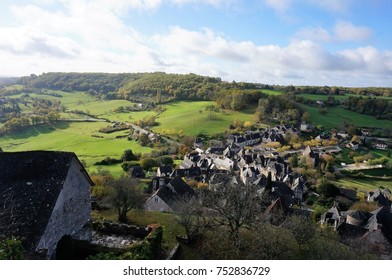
{"points": [[125, 195]]}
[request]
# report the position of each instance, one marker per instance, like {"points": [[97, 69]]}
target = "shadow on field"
{"points": [[39, 129]]}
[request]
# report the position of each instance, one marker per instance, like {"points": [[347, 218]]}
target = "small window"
{"points": [[156, 199]]}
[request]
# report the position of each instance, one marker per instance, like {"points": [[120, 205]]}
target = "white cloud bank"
{"points": [[87, 37], [342, 31]]}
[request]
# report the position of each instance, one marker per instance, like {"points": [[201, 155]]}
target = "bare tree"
{"points": [[125, 195], [236, 205], [302, 229], [192, 217]]}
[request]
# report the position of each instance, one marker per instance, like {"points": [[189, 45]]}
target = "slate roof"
{"points": [[174, 191], [331, 215], [165, 169], [30, 183], [137, 172], [380, 196]]}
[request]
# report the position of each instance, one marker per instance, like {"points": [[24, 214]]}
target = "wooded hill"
{"points": [[156, 87], [159, 87]]}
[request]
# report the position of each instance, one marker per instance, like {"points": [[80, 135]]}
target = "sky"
{"points": [[285, 42]]}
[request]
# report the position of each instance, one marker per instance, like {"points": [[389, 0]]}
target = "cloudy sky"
{"points": [[299, 42]]}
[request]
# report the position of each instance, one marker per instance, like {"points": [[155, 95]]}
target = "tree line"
{"points": [[380, 108]]}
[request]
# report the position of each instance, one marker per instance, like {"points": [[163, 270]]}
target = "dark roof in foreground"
{"points": [[30, 183], [176, 190]]}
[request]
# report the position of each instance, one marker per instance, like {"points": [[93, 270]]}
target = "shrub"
{"points": [[148, 163], [11, 249], [328, 190], [165, 160], [126, 166], [108, 161], [128, 155]]}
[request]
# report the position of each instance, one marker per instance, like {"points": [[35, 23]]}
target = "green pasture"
{"points": [[364, 184], [192, 118], [272, 92], [324, 97], [336, 117], [127, 117], [73, 137]]}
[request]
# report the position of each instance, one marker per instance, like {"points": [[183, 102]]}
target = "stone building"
{"points": [[167, 197], [44, 196]]}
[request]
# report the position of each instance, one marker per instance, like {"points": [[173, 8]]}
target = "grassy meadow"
{"points": [[323, 97], [73, 137], [192, 118], [336, 117], [77, 137], [364, 184], [272, 92]]}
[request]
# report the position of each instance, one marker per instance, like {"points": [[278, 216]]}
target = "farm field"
{"points": [[272, 92], [323, 97], [73, 137], [364, 184], [336, 117], [192, 118], [84, 102]]}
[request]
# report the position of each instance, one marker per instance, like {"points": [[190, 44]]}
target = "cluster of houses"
{"points": [[371, 231], [258, 167], [230, 158], [251, 138]]}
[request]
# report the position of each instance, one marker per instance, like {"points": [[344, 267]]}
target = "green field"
{"points": [[272, 92], [73, 137], [324, 97], [88, 104], [364, 184], [336, 117], [192, 118], [77, 137]]}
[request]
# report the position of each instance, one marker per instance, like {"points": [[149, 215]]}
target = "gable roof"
{"points": [[30, 183], [165, 169], [174, 191], [380, 196], [309, 152]]}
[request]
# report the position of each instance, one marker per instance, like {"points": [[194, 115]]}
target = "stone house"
{"points": [[311, 156], [372, 231], [45, 196], [169, 195], [380, 146]]}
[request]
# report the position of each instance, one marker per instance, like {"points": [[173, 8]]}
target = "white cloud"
{"points": [[280, 6], [317, 34], [209, 2], [346, 31], [88, 37], [27, 41], [332, 5], [342, 31]]}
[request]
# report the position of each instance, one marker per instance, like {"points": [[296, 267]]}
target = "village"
{"points": [[252, 162]]}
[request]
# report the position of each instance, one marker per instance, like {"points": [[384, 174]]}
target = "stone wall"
{"points": [[72, 211], [121, 229]]}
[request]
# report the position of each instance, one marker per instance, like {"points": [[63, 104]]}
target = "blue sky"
{"points": [[299, 42]]}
